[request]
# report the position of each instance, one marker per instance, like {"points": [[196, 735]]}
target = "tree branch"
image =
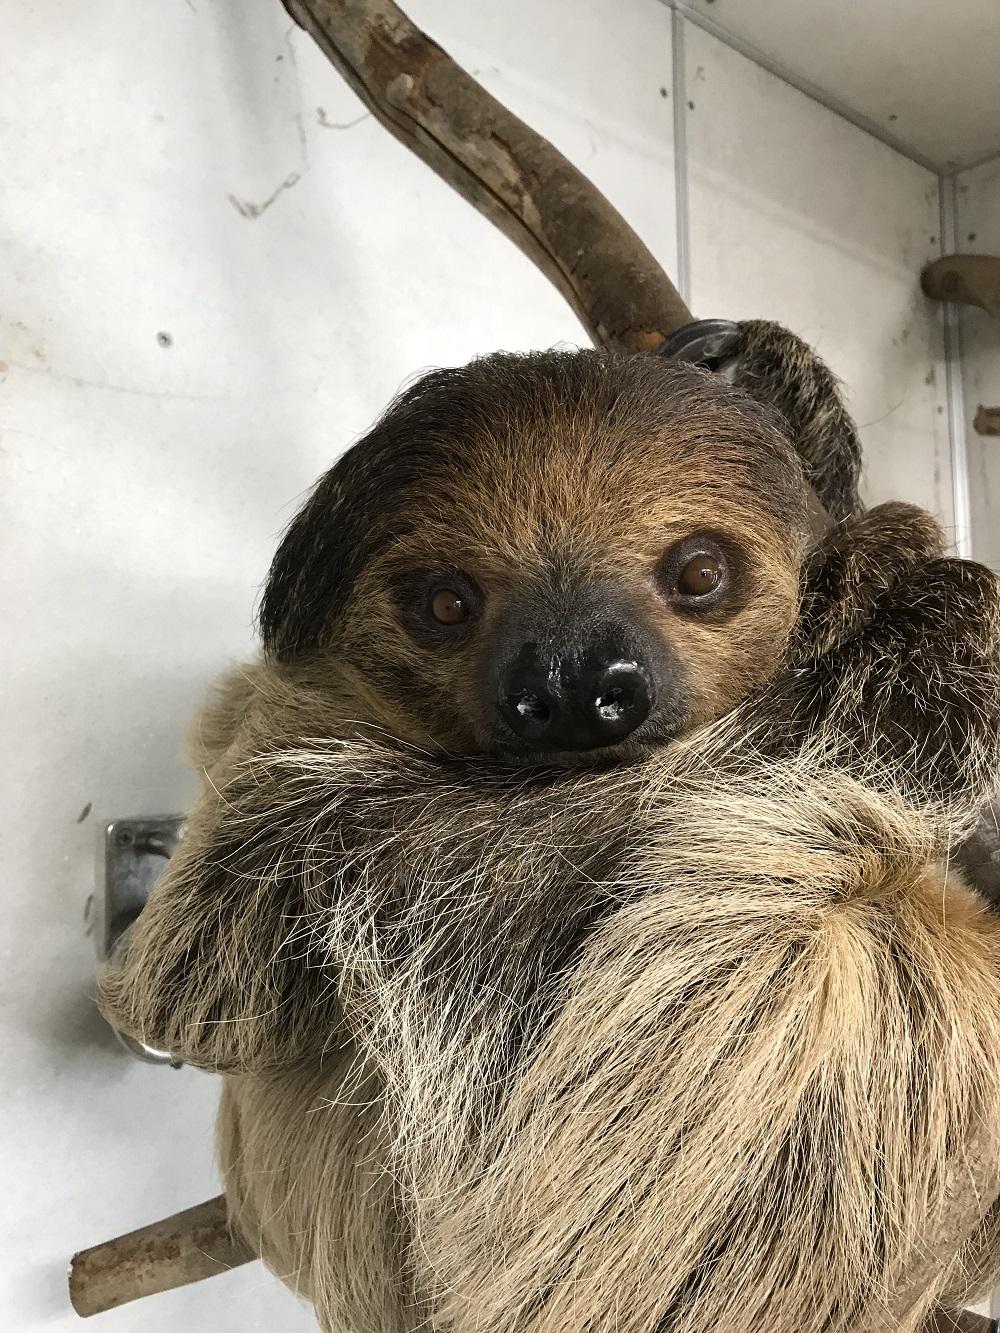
{"points": [[186, 1247], [502, 167], [198, 1243]]}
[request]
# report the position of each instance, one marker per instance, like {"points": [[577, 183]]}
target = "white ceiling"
{"points": [[922, 74]]}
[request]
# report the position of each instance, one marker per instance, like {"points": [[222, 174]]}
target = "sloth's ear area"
{"points": [[774, 366], [313, 570], [351, 516], [347, 520]]}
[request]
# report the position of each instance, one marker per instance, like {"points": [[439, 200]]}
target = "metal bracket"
{"points": [[133, 856]]}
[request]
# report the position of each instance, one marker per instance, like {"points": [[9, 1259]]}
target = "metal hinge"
{"points": [[133, 856]]}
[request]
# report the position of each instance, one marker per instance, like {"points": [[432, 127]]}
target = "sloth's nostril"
{"points": [[532, 708], [610, 706]]}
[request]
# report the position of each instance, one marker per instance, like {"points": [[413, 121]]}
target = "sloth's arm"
{"points": [[860, 563], [222, 967], [894, 661], [326, 875], [775, 366], [895, 667]]}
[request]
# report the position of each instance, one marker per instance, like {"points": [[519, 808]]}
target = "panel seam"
{"points": [[954, 396], [681, 201]]}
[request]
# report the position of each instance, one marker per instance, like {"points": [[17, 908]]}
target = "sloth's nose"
{"points": [[554, 702]]}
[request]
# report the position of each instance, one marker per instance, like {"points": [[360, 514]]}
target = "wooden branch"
{"points": [[968, 279], [502, 167], [187, 1247], [198, 1243]]}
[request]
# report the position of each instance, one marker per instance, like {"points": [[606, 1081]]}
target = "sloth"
{"points": [[569, 903]]}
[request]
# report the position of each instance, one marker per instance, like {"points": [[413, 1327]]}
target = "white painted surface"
{"points": [[922, 73], [143, 487], [978, 197], [797, 215]]}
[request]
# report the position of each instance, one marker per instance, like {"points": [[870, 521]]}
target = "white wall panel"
{"points": [[143, 486], [921, 73], [797, 215]]}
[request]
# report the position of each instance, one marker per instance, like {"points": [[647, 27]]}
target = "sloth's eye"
{"points": [[700, 576], [696, 573], [449, 607], [438, 607]]}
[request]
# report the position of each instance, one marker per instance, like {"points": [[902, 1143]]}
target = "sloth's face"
{"points": [[584, 621], [567, 568]]}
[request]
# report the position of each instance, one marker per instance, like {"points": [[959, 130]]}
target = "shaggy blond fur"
{"points": [[710, 1039]]}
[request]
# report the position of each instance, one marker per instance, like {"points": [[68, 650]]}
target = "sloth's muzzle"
{"points": [[574, 700]]}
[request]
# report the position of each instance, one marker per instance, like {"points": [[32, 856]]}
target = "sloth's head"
{"points": [[555, 558]]}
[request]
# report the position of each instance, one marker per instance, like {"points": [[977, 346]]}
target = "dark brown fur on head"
{"points": [[558, 494]]}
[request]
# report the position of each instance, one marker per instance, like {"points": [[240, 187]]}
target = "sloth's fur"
{"points": [[706, 1039]]}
